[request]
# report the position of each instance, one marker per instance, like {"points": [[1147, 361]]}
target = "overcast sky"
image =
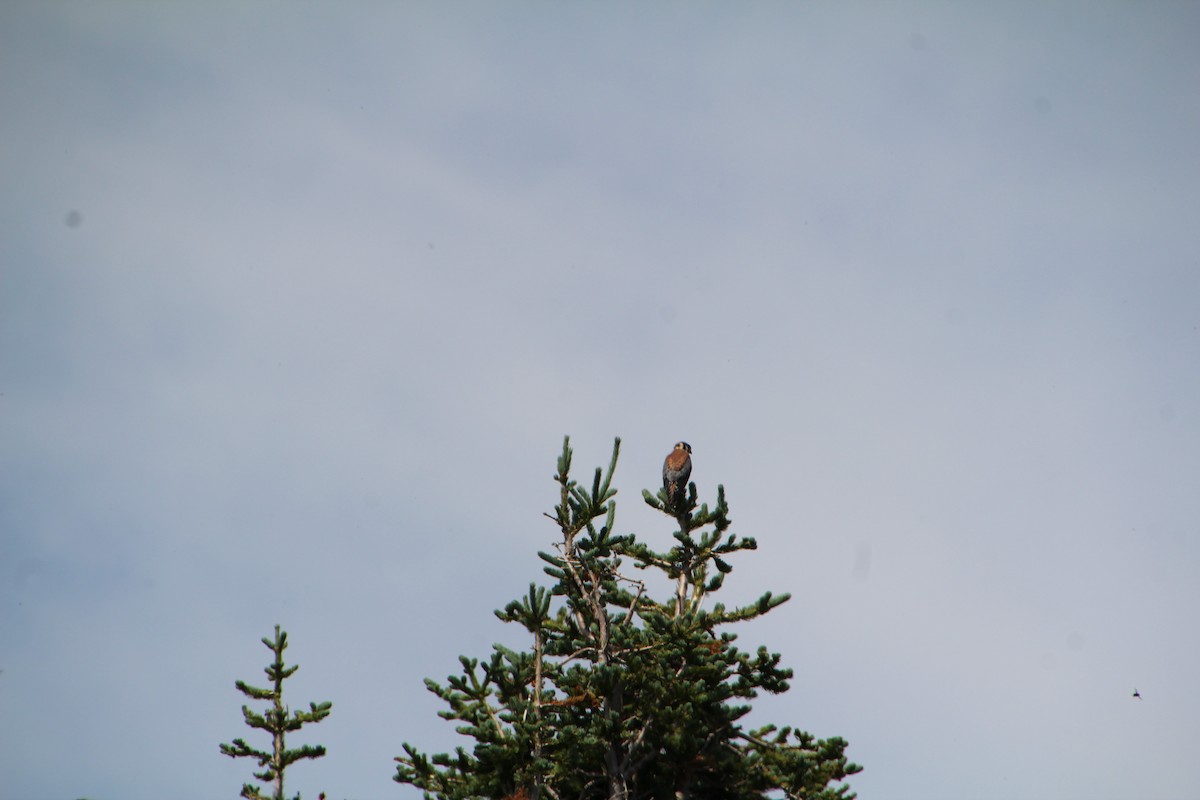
{"points": [[297, 301]]}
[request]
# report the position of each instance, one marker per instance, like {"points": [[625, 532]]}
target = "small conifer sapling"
{"points": [[277, 721]]}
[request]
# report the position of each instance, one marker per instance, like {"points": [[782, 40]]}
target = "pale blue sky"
{"points": [[328, 283]]}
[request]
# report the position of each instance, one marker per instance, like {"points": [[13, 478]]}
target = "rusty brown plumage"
{"points": [[676, 470]]}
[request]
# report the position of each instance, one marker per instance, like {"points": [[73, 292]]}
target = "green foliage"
{"points": [[622, 696], [277, 721]]}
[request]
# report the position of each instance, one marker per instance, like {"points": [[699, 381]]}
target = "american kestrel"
{"points": [[676, 470]]}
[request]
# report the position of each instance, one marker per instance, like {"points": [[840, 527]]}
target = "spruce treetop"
{"points": [[621, 695]]}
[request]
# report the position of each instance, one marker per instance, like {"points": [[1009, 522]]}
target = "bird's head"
{"points": [[683, 446]]}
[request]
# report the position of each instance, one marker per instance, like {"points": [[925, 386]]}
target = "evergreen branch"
{"points": [[641, 587], [254, 692], [239, 749]]}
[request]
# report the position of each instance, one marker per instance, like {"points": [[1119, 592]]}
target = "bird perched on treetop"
{"points": [[676, 470]]}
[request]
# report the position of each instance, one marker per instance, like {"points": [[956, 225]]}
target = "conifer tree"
{"points": [[622, 696], [276, 721]]}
